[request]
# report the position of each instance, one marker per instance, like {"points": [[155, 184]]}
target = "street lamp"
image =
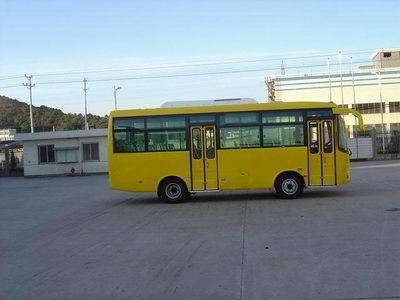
{"points": [[378, 72], [115, 95]]}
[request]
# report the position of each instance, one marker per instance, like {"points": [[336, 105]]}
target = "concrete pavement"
{"points": [[73, 238]]}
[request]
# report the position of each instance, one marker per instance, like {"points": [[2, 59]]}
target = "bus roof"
{"points": [[221, 108]]}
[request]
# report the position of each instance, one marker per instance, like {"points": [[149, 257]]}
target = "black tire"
{"points": [[173, 190], [289, 186]]}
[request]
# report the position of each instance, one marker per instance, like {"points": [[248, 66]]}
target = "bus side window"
{"points": [[196, 143], [314, 147]]}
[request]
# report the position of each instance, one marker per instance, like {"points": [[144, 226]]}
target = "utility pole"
{"points": [[282, 68], [341, 76], [330, 83], [85, 91], [352, 77], [29, 85], [355, 105], [115, 96], [382, 108]]}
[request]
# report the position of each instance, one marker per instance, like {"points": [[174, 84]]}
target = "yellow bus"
{"points": [[179, 151]]}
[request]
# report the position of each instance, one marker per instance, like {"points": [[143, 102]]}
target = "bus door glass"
{"points": [[197, 163], [321, 154], [211, 173], [314, 154], [204, 158]]}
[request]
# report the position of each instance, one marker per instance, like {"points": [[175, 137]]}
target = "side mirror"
{"points": [[349, 151]]}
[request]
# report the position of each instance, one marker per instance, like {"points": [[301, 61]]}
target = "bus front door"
{"points": [[321, 156], [203, 158]]}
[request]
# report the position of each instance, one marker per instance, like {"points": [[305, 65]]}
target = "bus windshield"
{"points": [[342, 134]]}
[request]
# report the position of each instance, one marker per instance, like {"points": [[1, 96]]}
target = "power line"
{"points": [[61, 82], [185, 74], [10, 86], [121, 69], [192, 74], [11, 77], [193, 64]]}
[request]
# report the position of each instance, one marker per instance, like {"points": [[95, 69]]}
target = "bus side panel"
{"points": [[142, 172], [342, 167], [257, 168]]}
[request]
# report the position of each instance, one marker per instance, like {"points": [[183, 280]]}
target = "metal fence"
{"points": [[385, 145]]}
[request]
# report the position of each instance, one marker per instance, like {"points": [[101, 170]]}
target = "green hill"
{"points": [[15, 114]]}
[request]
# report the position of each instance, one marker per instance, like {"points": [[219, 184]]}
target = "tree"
{"points": [[15, 114]]}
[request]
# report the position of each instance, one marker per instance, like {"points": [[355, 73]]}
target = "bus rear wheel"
{"points": [[289, 186], [173, 190]]}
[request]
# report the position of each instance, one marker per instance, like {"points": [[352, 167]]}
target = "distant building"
{"points": [[365, 89], [64, 152], [7, 134], [386, 58]]}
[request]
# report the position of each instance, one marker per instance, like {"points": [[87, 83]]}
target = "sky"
{"points": [[110, 41]]}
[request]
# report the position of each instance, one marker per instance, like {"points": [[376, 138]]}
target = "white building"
{"points": [[64, 152], [373, 90]]}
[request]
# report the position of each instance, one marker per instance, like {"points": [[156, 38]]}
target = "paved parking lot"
{"points": [[73, 238]]}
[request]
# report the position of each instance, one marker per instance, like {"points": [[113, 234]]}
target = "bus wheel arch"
{"points": [[172, 189], [289, 185]]}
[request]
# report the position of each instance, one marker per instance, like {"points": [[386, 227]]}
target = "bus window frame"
{"points": [[261, 125], [218, 126], [145, 130]]}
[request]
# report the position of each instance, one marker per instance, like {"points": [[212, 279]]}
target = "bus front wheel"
{"points": [[289, 186], [172, 190]]}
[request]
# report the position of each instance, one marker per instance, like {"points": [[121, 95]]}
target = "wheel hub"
{"points": [[173, 190], [289, 186]]}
